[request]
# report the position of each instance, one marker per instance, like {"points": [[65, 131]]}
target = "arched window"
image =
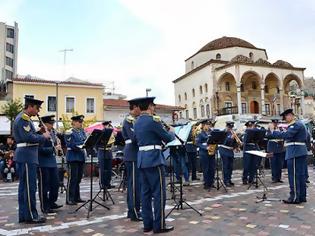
{"points": [[278, 90], [187, 114], [266, 89], [208, 110], [206, 88], [242, 87], [193, 92], [251, 55], [200, 89], [218, 56], [185, 95], [254, 85], [227, 86], [179, 98], [202, 107], [192, 65]]}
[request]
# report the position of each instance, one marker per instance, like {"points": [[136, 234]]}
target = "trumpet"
{"points": [[211, 149], [237, 139]]}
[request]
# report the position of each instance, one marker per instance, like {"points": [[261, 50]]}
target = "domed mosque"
{"points": [[232, 76]]}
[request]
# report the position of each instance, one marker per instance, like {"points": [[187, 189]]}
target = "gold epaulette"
{"points": [[157, 118], [130, 119], [25, 117]]}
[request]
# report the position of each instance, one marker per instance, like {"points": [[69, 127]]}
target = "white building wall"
{"points": [[194, 81], [226, 55], [3, 51]]}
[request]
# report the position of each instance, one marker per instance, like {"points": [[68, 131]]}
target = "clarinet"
{"points": [[41, 123]]}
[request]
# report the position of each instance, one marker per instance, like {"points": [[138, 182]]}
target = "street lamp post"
{"points": [[57, 115], [147, 91]]}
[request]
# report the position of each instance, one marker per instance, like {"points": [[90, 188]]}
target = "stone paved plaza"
{"points": [[233, 213]]}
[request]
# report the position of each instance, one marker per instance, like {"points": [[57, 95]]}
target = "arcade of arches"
{"points": [[267, 95]]}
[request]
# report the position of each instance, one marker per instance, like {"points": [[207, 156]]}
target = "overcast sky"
{"points": [[142, 44]]}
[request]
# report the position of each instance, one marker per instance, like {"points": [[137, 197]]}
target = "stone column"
{"points": [[262, 98], [302, 103], [239, 98], [281, 100]]}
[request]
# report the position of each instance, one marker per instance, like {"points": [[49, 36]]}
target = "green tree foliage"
{"points": [[11, 109]]}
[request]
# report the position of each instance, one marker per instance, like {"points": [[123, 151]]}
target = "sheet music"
{"points": [[182, 132]]}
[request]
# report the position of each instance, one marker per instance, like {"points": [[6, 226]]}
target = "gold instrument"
{"points": [[237, 139], [211, 149], [196, 129]]}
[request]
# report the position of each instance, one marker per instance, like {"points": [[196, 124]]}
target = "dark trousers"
{"points": [[227, 164], [74, 180], [192, 164], [297, 180], [208, 168], [180, 167], [276, 163], [250, 165], [153, 186], [133, 189], [48, 185], [27, 191], [105, 166]]}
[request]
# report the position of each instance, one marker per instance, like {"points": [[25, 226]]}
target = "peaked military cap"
{"points": [[48, 119], [229, 123], [206, 121], [77, 118], [250, 122], [142, 100], [107, 122], [286, 112], [33, 101]]}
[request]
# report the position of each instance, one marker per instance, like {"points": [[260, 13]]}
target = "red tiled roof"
{"points": [[39, 80], [121, 103]]}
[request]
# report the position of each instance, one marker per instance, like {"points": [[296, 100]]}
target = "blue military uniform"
{"points": [[105, 157], [296, 152], [26, 157], [250, 162], [48, 183], [75, 159], [227, 156], [207, 162], [191, 150], [132, 171], [150, 135], [275, 146]]}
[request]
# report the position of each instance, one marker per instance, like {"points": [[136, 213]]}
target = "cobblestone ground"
{"points": [[233, 213]]}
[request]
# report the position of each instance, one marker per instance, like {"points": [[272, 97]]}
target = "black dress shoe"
{"points": [[110, 186], [307, 181], [136, 219], [245, 182], [147, 230], [56, 206], [49, 211], [165, 230], [206, 187], [39, 220], [231, 183], [303, 200], [21, 221], [290, 202], [228, 185], [80, 201], [195, 179], [71, 203]]}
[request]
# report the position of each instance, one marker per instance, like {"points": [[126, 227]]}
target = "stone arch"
{"points": [[287, 81], [226, 78]]}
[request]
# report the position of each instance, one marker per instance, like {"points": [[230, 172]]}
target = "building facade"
{"points": [[61, 98], [116, 110], [232, 76], [9, 36]]}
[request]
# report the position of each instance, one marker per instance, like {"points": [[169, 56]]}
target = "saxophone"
{"points": [[211, 149], [196, 129]]}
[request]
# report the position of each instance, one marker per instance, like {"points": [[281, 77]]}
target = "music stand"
{"points": [[181, 137], [217, 137], [256, 136], [89, 144]]}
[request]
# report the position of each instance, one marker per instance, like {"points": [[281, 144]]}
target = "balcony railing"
{"points": [[228, 111]]}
